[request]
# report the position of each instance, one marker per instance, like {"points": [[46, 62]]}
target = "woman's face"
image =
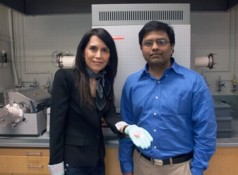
{"points": [[96, 54]]}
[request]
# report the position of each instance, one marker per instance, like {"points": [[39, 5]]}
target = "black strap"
{"points": [[173, 160]]}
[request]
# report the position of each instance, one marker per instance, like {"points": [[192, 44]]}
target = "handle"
{"points": [[35, 166], [34, 153]]}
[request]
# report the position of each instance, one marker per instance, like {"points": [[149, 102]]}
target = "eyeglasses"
{"points": [[159, 42]]}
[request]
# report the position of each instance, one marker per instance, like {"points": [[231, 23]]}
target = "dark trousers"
{"points": [[99, 169]]}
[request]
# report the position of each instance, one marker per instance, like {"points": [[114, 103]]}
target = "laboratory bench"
{"points": [[30, 155]]}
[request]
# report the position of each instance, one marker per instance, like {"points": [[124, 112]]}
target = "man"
{"points": [[173, 104]]}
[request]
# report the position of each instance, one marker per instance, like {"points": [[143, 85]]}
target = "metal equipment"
{"points": [[124, 21], [33, 102]]}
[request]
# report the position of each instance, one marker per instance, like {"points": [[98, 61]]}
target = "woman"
{"points": [[81, 98]]}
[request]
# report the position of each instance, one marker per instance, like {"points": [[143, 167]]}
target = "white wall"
{"points": [[217, 33], [6, 74], [37, 37]]}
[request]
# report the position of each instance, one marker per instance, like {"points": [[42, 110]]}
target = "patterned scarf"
{"points": [[103, 87]]}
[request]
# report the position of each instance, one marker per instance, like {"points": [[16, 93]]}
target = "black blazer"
{"points": [[75, 132]]}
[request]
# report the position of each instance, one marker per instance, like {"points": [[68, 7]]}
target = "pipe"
{"points": [[12, 40]]}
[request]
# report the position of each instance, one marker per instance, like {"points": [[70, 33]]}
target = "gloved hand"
{"points": [[14, 110], [57, 169], [139, 136]]}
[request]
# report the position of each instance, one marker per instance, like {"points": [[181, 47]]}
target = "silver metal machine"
{"points": [[33, 102], [124, 21]]}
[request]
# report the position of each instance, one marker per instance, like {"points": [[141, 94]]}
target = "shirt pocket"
{"points": [[176, 105]]}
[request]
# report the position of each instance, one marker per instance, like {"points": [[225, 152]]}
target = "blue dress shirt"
{"points": [[177, 110]]}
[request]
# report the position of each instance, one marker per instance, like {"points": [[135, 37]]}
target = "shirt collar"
{"points": [[174, 67]]}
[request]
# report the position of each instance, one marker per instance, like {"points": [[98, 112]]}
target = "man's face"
{"points": [[156, 48]]}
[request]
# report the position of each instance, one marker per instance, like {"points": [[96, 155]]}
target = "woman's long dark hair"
{"points": [[82, 78]]}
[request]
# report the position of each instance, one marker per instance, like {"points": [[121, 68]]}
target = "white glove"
{"points": [[139, 136], [14, 110], [56, 169]]}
